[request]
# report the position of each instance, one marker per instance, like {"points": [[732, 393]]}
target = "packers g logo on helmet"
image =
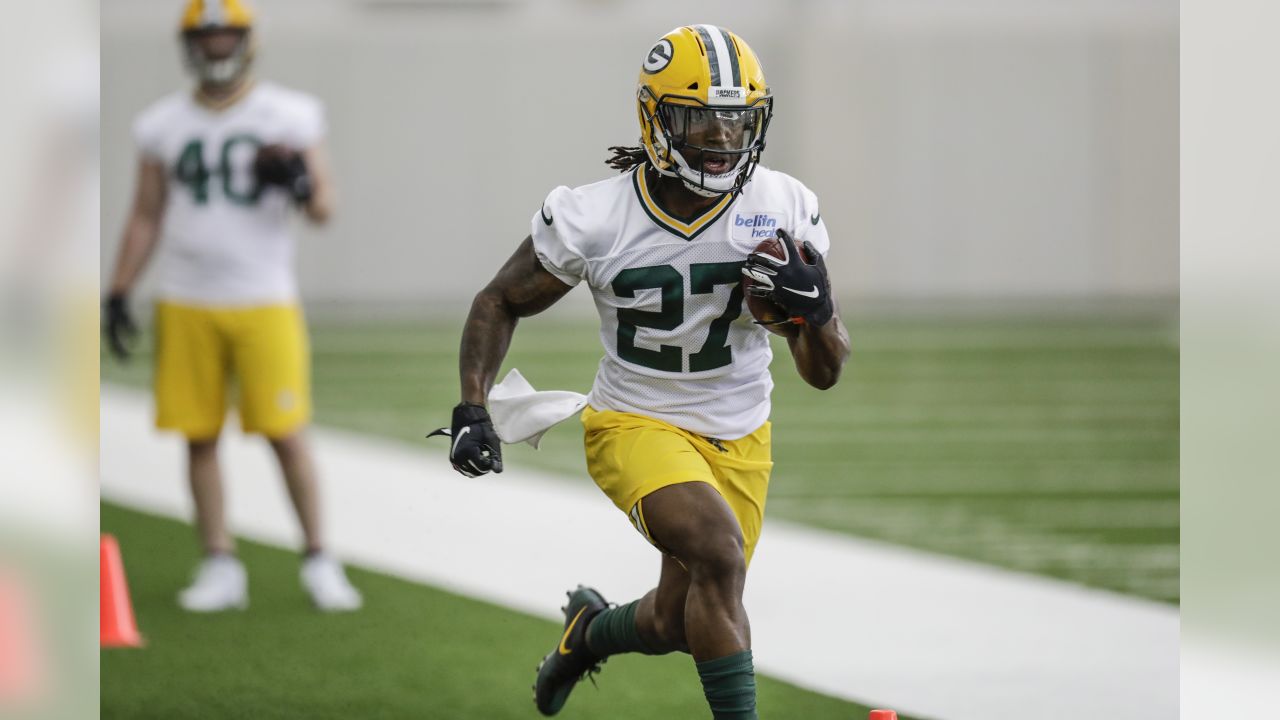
{"points": [[658, 57], [704, 108], [207, 16]]}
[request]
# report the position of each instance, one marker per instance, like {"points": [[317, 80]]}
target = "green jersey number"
{"points": [[703, 278], [191, 171]]}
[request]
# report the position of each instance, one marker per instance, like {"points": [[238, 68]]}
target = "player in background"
{"points": [[677, 431], [220, 171]]}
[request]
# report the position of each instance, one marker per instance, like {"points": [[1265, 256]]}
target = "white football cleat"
{"points": [[324, 580], [220, 584]]}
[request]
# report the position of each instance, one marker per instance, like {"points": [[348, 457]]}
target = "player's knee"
{"points": [[202, 447], [290, 443], [721, 557]]}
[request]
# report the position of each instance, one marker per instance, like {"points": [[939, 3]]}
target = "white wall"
{"points": [[1015, 148]]}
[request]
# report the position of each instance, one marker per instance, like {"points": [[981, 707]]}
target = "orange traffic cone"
{"points": [[883, 715], [118, 628]]}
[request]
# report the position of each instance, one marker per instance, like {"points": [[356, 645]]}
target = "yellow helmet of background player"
{"points": [[207, 16], [704, 108]]}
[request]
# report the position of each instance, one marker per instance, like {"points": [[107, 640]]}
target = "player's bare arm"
{"points": [[820, 352], [141, 234], [520, 289], [319, 207], [142, 230]]}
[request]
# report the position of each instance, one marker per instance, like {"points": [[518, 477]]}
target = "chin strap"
{"points": [[698, 188]]}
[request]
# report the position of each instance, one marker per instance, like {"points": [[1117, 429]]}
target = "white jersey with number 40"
{"points": [[679, 343], [225, 239]]}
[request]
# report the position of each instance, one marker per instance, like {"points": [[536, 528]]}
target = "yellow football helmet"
{"points": [[704, 108], [202, 17]]}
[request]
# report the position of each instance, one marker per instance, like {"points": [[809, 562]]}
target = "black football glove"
{"points": [[799, 287], [476, 448], [118, 325], [280, 166]]}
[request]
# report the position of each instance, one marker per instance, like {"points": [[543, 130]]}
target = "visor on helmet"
{"points": [[726, 130]]}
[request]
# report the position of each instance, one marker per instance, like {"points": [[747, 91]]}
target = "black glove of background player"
{"points": [[797, 286], [476, 448], [118, 325], [286, 168]]}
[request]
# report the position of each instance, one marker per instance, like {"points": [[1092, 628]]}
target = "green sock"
{"points": [[614, 631], [730, 686]]}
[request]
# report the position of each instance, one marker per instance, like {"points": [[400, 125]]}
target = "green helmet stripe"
{"points": [[733, 58], [713, 57]]}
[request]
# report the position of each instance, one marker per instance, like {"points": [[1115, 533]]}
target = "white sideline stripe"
{"points": [[851, 618]]}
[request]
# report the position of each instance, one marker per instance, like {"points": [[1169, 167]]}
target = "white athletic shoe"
{"points": [[324, 580], [220, 584]]}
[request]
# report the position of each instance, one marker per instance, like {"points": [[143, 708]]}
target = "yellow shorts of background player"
{"points": [[199, 349], [630, 456]]}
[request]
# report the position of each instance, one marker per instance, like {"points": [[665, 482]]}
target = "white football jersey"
{"points": [[226, 240], [680, 345]]}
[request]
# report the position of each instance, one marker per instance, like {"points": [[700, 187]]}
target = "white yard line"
{"points": [[850, 618]]}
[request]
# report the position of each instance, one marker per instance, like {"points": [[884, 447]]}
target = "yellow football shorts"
{"points": [[630, 456], [198, 349]]}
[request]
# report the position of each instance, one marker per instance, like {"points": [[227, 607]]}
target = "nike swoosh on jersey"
{"points": [[806, 293], [814, 218], [564, 650], [545, 218]]}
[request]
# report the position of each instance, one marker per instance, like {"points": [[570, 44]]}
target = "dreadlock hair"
{"points": [[625, 158]]}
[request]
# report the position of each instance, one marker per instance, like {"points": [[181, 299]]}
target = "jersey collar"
{"points": [[222, 105], [687, 229]]}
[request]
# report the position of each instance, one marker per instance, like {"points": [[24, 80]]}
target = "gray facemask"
{"points": [[221, 71]]}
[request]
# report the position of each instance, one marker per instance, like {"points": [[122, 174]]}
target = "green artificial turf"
{"points": [[412, 652]]}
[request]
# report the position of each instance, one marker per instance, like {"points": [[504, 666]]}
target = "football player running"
{"points": [[220, 169], [677, 433]]}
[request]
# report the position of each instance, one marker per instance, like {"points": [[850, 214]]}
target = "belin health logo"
{"points": [[762, 224]]}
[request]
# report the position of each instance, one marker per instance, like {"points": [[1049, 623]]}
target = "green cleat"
{"points": [[570, 660]]}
